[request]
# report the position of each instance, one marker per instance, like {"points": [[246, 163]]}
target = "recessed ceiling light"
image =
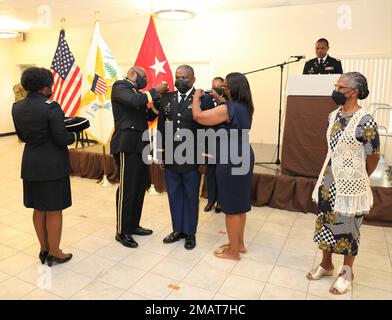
{"points": [[8, 34], [174, 14]]}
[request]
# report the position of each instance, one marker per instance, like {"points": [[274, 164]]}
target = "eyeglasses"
{"points": [[338, 87]]}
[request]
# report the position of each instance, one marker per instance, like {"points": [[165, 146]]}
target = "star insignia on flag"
{"points": [[158, 66]]}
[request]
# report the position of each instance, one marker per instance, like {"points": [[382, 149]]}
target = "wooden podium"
{"points": [[304, 144]]}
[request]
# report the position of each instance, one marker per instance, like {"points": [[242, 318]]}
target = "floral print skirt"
{"points": [[336, 233]]}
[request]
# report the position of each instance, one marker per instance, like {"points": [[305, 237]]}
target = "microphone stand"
{"points": [[281, 66]]}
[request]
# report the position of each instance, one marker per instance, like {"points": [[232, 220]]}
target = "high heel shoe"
{"points": [[42, 256], [50, 259]]}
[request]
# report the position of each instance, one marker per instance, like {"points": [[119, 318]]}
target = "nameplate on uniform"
{"points": [[329, 68]]}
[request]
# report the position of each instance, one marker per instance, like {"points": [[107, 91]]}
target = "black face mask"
{"points": [[219, 91], [339, 98], [141, 83], [182, 85]]}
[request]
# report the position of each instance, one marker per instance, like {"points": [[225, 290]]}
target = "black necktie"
{"points": [[321, 62], [182, 101]]}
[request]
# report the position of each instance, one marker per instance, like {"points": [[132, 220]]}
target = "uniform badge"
{"points": [[167, 108], [49, 101]]}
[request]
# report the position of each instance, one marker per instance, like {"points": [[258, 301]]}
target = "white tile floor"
{"points": [[280, 246]]}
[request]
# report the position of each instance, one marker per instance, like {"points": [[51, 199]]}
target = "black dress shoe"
{"points": [[190, 242], [174, 237], [126, 240], [50, 259], [42, 256], [218, 209], [140, 231], [208, 207]]}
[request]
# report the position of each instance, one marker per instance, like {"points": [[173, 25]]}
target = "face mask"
{"points": [[182, 85], [339, 98], [141, 83], [219, 91]]}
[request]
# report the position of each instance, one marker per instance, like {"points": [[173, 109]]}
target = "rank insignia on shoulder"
{"points": [[49, 101]]}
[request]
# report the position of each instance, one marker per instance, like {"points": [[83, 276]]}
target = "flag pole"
{"points": [[104, 182], [97, 16], [62, 23], [152, 191]]}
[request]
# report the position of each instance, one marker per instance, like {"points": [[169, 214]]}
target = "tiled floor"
{"points": [[280, 253]]}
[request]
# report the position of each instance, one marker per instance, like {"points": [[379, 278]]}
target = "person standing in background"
{"points": [[217, 86], [323, 64]]}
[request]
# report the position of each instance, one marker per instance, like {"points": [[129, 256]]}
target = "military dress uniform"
{"points": [[131, 117], [182, 179], [39, 122], [327, 65]]}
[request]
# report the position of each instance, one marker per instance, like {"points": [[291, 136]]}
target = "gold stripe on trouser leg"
{"points": [[200, 189], [120, 193]]}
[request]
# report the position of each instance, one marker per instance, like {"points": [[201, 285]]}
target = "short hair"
{"points": [[187, 67], [358, 81], [218, 78], [323, 40], [34, 79]]}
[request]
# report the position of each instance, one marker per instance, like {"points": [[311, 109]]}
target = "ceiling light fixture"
{"points": [[8, 34], [174, 14]]}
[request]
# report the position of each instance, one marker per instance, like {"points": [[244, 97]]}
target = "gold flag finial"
{"points": [[97, 16], [62, 23]]}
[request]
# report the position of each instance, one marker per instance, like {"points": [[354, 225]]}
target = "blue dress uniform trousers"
{"points": [[183, 192]]}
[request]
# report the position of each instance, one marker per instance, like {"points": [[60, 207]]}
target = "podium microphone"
{"points": [[298, 57]]}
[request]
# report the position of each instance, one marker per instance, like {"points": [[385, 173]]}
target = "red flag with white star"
{"points": [[152, 58]]}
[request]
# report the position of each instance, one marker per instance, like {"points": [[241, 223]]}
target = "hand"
{"points": [[162, 165], [198, 94], [162, 88], [216, 96]]}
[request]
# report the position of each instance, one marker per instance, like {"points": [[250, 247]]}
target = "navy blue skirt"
{"points": [[234, 191], [52, 195]]}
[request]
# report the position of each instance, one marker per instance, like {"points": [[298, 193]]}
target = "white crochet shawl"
{"points": [[353, 192]]}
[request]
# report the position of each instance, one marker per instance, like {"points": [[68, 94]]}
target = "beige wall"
{"points": [[8, 77], [236, 41]]}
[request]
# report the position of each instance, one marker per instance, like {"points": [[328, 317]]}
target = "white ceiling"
{"points": [[32, 14]]}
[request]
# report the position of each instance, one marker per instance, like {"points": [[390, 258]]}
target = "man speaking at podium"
{"points": [[323, 64]]}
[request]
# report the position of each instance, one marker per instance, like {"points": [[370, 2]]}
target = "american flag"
{"points": [[67, 78], [99, 85]]}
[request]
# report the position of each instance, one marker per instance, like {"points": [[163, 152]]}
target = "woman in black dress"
{"points": [[39, 122], [235, 157]]}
